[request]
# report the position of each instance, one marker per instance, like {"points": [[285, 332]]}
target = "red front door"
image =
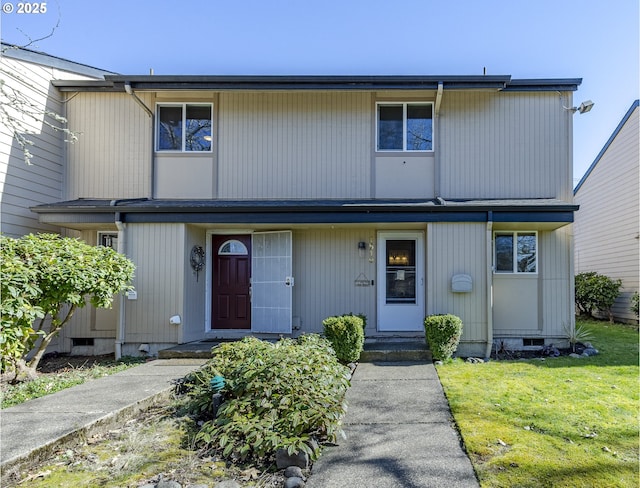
{"points": [[231, 299]]}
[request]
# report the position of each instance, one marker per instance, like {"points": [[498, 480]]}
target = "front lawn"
{"points": [[561, 422]]}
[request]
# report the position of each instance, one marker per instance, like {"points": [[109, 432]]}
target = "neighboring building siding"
{"points": [[295, 145], [458, 248], [326, 265], [607, 225], [112, 158], [24, 186], [504, 145]]}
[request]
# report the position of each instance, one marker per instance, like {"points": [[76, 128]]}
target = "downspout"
{"points": [[436, 176], [120, 332], [489, 273], [129, 90]]}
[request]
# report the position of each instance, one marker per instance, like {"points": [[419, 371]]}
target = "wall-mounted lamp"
{"points": [[362, 246], [584, 107]]}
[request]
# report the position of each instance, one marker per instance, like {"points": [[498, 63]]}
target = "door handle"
{"points": [[288, 281]]}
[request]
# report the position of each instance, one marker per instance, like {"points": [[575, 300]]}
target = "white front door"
{"points": [[271, 282], [401, 293]]}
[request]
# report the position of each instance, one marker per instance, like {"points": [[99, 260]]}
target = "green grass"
{"points": [[51, 383], [561, 422]]}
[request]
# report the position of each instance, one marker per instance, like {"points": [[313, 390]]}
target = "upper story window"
{"points": [[404, 126], [516, 252], [184, 127]]}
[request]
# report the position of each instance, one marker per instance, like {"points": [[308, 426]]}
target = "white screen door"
{"points": [[271, 282], [401, 292]]}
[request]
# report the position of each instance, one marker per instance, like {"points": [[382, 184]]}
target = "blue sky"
{"points": [[591, 39]]}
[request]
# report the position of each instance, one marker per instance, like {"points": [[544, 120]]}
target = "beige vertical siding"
{"points": [[556, 275], [112, 158], [193, 323], [504, 145], [21, 185], [158, 251], [326, 264], [607, 225], [454, 248], [294, 145]]}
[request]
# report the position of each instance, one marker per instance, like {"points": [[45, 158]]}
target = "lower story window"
{"points": [[516, 252]]}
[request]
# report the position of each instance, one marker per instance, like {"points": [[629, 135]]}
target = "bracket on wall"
{"points": [[197, 259]]}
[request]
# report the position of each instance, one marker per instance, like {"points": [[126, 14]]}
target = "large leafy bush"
{"points": [[284, 395], [443, 334], [596, 292], [44, 279], [346, 334]]}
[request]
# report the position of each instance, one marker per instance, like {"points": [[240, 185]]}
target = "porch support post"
{"points": [[489, 273]]}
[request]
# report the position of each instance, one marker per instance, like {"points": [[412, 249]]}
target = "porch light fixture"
{"points": [[584, 107]]}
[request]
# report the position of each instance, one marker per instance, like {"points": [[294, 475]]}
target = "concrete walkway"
{"points": [[32, 430], [398, 426], [399, 433]]}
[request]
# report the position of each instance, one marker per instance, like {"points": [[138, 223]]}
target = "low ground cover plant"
{"points": [[284, 395], [346, 334], [561, 422]]}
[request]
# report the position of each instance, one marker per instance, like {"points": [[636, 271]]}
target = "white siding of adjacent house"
{"points": [[23, 186], [112, 158], [294, 145], [504, 145], [607, 225]]}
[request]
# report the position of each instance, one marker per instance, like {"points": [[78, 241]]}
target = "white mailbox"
{"points": [[461, 283]]}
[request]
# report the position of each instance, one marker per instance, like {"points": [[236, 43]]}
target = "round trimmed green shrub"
{"points": [[346, 334], [443, 334]]}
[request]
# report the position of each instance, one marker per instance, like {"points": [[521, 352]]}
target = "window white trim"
{"points": [[404, 105], [184, 106], [533, 261], [106, 238]]}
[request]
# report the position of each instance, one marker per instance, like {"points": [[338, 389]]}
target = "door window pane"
{"points": [[401, 271]]}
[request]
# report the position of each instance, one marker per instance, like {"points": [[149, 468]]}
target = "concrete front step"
{"points": [[373, 351], [395, 351]]}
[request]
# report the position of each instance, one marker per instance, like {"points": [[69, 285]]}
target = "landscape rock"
{"points": [[227, 484], [474, 360], [294, 472], [168, 484], [284, 460], [294, 482], [590, 351], [574, 355]]}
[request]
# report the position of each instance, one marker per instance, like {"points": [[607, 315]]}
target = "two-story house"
{"points": [[263, 204], [607, 228]]}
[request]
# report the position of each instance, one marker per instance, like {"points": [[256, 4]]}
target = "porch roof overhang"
{"points": [[118, 83], [548, 213]]}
